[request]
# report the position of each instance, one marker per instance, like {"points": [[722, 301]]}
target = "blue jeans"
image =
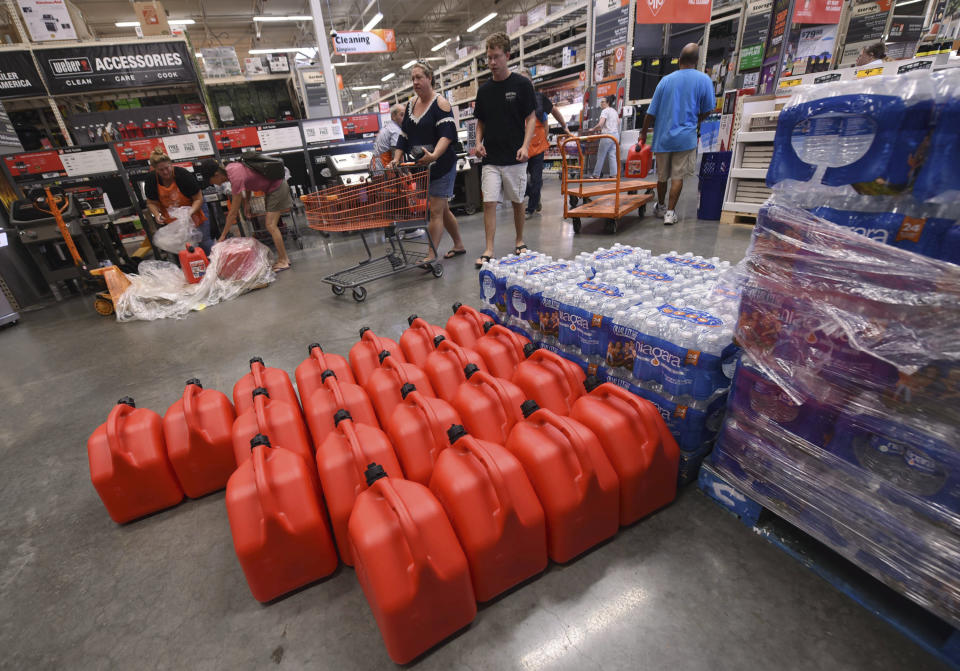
{"points": [[606, 158], [206, 242], [534, 182]]}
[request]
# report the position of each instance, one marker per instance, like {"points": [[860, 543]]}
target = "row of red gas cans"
{"points": [[462, 460]]}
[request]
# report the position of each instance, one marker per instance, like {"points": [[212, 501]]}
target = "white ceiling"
{"points": [[419, 24]]}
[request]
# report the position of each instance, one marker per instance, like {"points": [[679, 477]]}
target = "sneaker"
{"points": [[539, 207], [670, 218], [659, 210]]}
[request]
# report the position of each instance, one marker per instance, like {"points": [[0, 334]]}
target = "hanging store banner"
{"points": [[820, 12], [116, 66], [755, 29], [674, 11], [18, 76], [364, 41], [611, 19]]}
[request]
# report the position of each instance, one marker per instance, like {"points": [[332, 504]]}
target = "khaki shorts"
{"points": [[508, 180], [278, 200], [676, 164]]}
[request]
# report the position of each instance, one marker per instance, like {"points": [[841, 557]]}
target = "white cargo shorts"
{"points": [[503, 182]]}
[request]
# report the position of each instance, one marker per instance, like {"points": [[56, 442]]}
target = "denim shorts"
{"points": [[442, 187]]}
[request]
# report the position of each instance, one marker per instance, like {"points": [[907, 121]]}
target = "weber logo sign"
{"points": [[655, 6], [99, 68]]}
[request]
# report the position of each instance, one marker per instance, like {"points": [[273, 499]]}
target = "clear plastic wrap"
{"points": [[160, 291], [844, 414], [179, 233]]}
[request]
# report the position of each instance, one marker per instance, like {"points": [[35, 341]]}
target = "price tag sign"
{"points": [[88, 162], [275, 139], [322, 130], [869, 72], [789, 83], [187, 146]]}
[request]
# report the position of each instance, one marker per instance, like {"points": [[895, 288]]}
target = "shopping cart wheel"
{"points": [[359, 294], [611, 225], [576, 224], [336, 289], [437, 269], [468, 210]]}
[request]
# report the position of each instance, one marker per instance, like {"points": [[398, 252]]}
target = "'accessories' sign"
{"points": [[98, 68]]}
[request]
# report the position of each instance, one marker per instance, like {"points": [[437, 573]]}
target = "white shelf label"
{"points": [[188, 145], [322, 130], [88, 162], [274, 139]]}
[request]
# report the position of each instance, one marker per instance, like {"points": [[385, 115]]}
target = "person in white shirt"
{"points": [[872, 56], [609, 125], [386, 140]]}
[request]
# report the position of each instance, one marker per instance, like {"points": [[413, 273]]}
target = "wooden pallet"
{"points": [[605, 207], [608, 185], [728, 217], [919, 625]]}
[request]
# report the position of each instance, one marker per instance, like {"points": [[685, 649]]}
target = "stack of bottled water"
{"points": [[525, 287], [618, 256], [493, 276]]}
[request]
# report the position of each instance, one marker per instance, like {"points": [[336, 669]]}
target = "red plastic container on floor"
{"points": [[573, 478], [198, 429], [494, 511], [552, 381], [334, 395], [410, 565], [466, 324], [341, 461], [279, 530], [274, 380], [238, 262], [501, 349], [310, 371], [636, 440], [418, 431], [365, 355], [489, 406], [193, 263], [444, 367], [129, 467], [280, 422], [383, 385], [417, 341]]}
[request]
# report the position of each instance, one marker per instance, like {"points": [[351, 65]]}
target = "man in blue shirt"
{"points": [[682, 100]]}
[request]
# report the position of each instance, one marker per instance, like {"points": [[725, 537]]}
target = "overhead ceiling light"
{"points": [[368, 87], [277, 19], [481, 22], [377, 18], [438, 47], [909, 2], [172, 22], [409, 64], [309, 51], [388, 76], [433, 58], [340, 64], [127, 24]]}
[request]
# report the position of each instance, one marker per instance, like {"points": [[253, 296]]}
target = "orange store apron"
{"points": [[170, 196]]}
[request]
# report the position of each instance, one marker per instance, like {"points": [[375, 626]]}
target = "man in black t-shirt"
{"points": [[505, 121]]}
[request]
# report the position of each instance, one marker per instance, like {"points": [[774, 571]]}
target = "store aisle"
{"points": [[689, 588]]}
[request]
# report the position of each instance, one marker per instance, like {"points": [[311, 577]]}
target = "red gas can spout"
{"points": [[312, 346], [127, 400], [373, 473], [470, 369], [591, 383], [439, 339], [383, 355], [341, 415], [363, 329], [529, 349], [191, 248], [406, 389], [254, 360], [327, 373], [194, 381], [259, 439], [411, 319], [528, 408], [259, 391], [487, 326], [457, 306]]}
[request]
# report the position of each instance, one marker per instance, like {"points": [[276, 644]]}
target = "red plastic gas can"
{"points": [[341, 461], [334, 395], [129, 466], [639, 158], [444, 367], [501, 349], [549, 379], [365, 355], [279, 421], [417, 341], [198, 429], [274, 380], [466, 324], [238, 260], [636, 440], [279, 530], [494, 511], [311, 369], [489, 406], [417, 429], [573, 479], [193, 263], [410, 565], [383, 385]]}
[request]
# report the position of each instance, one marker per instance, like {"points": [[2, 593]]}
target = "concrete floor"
{"points": [[689, 588]]}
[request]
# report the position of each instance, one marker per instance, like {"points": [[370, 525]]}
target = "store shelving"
{"points": [[752, 150]]}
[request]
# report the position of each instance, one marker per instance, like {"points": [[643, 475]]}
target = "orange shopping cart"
{"points": [[392, 200]]}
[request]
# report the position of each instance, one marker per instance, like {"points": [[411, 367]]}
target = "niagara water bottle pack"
{"points": [[493, 276], [524, 291], [877, 156]]}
